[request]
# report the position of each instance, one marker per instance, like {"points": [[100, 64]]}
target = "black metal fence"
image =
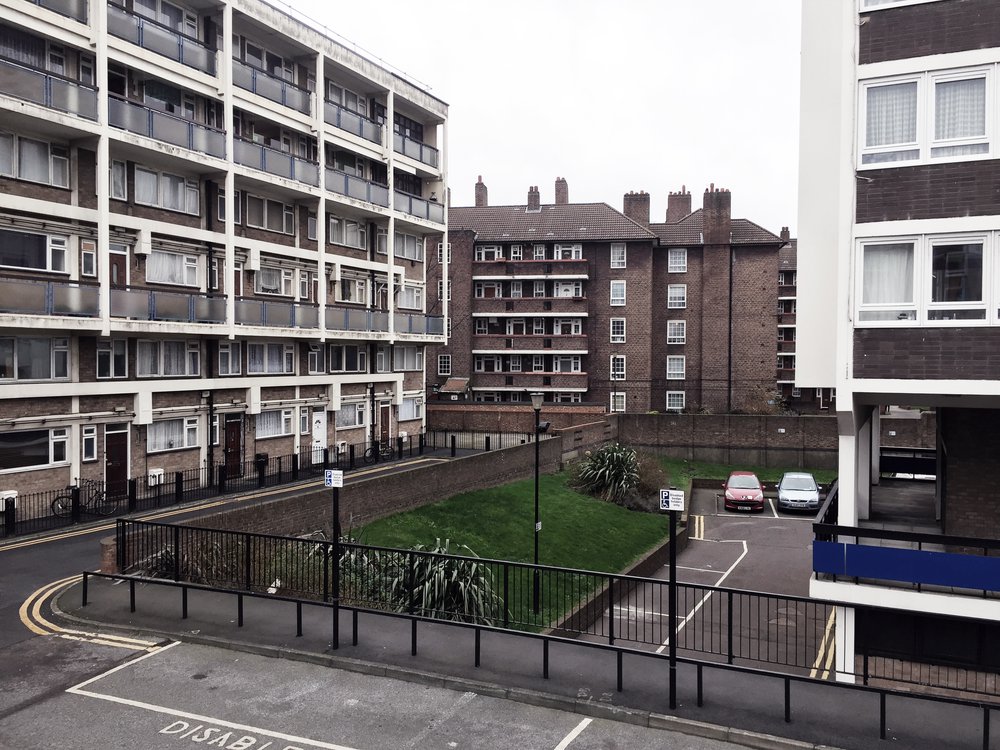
{"points": [[475, 441], [88, 500]]}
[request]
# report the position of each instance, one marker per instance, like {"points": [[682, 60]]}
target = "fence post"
{"points": [[611, 611], [420, 445], [399, 447], [246, 562], [487, 443], [75, 505], [295, 466], [350, 453], [177, 553], [452, 446], [9, 516], [279, 470], [326, 459], [222, 479], [133, 494], [178, 487], [729, 627], [506, 594]]}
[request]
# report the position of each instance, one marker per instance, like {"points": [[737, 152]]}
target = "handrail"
{"points": [[833, 530]]}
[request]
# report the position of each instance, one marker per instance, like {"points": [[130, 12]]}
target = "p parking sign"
{"points": [[333, 478], [671, 499]]}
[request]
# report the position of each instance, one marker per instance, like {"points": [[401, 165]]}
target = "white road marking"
{"points": [[773, 509], [573, 735], [687, 567], [122, 666], [705, 598]]}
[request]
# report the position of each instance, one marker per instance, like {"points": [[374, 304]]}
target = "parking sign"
{"points": [[671, 499], [334, 478]]}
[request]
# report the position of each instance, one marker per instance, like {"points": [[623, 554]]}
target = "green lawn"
{"points": [[681, 472], [578, 531]]}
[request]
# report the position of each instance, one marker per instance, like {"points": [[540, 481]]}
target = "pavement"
{"points": [[738, 708]]}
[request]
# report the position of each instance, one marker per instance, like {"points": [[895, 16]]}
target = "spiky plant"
{"points": [[611, 473]]}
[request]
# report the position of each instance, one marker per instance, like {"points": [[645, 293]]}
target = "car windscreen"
{"points": [[798, 483], [744, 483]]}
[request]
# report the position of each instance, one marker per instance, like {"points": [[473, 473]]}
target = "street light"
{"points": [[536, 404]]}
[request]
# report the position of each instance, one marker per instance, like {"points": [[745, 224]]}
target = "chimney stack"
{"points": [[717, 221], [534, 199], [482, 199], [636, 207], [678, 205], [562, 191], [785, 234]]}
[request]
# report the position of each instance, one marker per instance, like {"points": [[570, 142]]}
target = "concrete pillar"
{"points": [[876, 465], [844, 644]]}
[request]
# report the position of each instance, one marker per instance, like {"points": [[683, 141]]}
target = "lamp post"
{"points": [[536, 404]]}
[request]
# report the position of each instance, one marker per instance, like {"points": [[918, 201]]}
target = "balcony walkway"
{"points": [[903, 505]]}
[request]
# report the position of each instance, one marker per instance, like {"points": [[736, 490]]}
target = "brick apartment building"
{"points": [[590, 305], [900, 305], [212, 222]]}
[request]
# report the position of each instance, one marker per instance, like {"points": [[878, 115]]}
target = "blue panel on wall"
{"points": [[829, 557]]}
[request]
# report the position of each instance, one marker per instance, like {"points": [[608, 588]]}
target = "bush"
{"points": [[611, 473]]}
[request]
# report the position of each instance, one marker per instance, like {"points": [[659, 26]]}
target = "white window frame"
{"points": [[675, 407], [410, 407], [88, 443], [516, 252], [268, 207], [316, 359], [411, 297], [189, 268], [57, 160], [677, 260], [617, 367], [488, 253], [618, 293], [676, 367], [192, 359], [339, 354], [229, 352], [676, 296], [444, 365], [287, 352], [189, 435], [570, 251], [285, 278], [618, 338], [55, 251], [617, 402], [108, 352], [407, 358], [355, 410], [618, 255], [676, 331], [192, 191], [282, 422]]}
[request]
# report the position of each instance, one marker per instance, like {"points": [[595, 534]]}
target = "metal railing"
{"points": [[31, 297], [151, 304], [160, 39], [271, 87], [410, 204], [418, 323], [415, 150], [254, 312], [352, 122], [356, 187], [356, 319], [48, 90], [275, 162], [137, 118], [75, 9]]}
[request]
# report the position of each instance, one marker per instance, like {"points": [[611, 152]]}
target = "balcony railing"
{"points": [[76, 9], [518, 306], [137, 118], [270, 87], [527, 342], [355, 187], [415, 149], [253, 312], [527, 379], [154, 304], [410, 204], [432, 325], [48, 90], [275, 162], [356, 319], [160, 39], [352, 122], [30, 297]]}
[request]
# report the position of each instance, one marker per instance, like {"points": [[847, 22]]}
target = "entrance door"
{"points": [[116, 459], [234, 445], [118, 267], [385, 412], [318, 435]]}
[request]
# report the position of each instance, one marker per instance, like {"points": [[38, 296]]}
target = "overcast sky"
{"points": [[614, 96]]}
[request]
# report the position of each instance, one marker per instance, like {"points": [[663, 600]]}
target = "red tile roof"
{"points": [[565, 221]]}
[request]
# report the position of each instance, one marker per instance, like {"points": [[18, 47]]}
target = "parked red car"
{"points": [[743, 492]]}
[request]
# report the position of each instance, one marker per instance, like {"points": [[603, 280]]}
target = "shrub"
{"points": [[611, 473]]}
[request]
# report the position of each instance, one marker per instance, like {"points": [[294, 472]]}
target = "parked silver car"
{"points": [[797, 490]]}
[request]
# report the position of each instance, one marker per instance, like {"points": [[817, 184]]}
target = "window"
{"points": [[675, 368], [482, 327], [350, 415], [34, 359], [37, 252], [238, 202], [538, 252], [567, 398], [353, 289], [675, 400], [568, 252], [408, 358], [796, 393], [567, 363], [229, 358], [271, 215], [516, 290], [444, 364], [119, 182], [317, 359], [514, 363], [566, 327], [618, 330], [617, 366], [348, 358], [887, 282], [274, 423], [617, 293], [408, 246], [487, 363], [348, 233], [411, 408], [88, 443], [676, 331], [168, 358], [677, 260], [167, 191], [411, 297], [34, 161], [956, 281], [307, 283], [271, 280], [516, 252], [567, 289], [538, 289], [441, 289], [111, 359], [538, 363], [538, 326], [30, 448], [617, 402], [618, 255], [88, 258], [172, 434], [489, 252], [172, 268], [441, 248], [270, 359], [677, 296], [954, 105]]}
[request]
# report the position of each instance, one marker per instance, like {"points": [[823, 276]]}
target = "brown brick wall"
{"points": [[928, 29], [972, 506], [929, 191], [755, 346], [459, 346], [86, 178], [927, 353], [473, 417]]}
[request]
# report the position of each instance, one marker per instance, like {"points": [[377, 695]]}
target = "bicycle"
{"points": [[379, 452], [93, 499]]}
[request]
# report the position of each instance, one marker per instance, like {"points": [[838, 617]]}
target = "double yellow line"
{"points": [[33, 619], [696, 526], [827, 649]]}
